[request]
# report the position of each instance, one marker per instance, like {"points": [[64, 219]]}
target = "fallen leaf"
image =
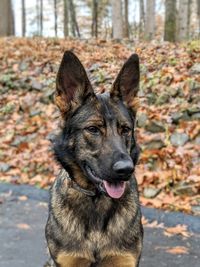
{"points": [[154, 224], [178, 250], [43, 204], [144, 221], [177, 230], [23, 226], [23, 198]]}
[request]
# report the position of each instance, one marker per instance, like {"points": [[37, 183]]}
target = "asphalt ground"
{"points": [[23, 215]]}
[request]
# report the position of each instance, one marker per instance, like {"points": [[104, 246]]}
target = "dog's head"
{"points": [[97, 144]]}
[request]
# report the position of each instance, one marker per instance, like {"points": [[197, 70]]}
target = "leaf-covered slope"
{"points": [[168, 118]]}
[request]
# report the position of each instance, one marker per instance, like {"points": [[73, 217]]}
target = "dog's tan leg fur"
{"points": [[119, 261], [64, 260]]}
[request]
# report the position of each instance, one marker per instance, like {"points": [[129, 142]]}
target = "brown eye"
{"points": [[93, 130], [125, 130]]}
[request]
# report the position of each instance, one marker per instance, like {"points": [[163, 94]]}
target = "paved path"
{"points": [[22, 242]]}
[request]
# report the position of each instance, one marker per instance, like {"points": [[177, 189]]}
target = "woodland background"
{"points": [[103, 34]]}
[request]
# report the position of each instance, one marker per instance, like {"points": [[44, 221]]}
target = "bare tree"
{"points": [[23, 18], [183, 20], [38, 16], [198, 13], [170, 21], [41, 17], [103, 26], [55, 18], [150, 19], [66, 19], [7, 26], [126, 21], [95, 18], [117, 19], [189, 18], [142, 18], [74, 24]]}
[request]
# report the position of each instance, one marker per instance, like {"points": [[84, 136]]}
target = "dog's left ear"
{"points": [[126, 84]]}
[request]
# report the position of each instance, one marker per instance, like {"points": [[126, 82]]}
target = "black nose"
{"points": [[123, 167]]}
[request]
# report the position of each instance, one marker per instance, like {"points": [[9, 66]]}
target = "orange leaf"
{"points": [[23, 226], [144, 220], [178, 250], [177, 230], [23, 198]]}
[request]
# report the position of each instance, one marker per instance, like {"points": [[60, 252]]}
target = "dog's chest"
{"points": [[98, 228], [90, 225], [100, 237]]}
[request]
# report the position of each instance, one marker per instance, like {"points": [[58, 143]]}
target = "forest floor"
{"points": [[168, 128]]}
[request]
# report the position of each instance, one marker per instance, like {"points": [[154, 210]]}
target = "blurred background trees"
{"points": [[169, 20]]}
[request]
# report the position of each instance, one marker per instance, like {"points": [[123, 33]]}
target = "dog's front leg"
{"points": [[127, 260], [65, 260]]}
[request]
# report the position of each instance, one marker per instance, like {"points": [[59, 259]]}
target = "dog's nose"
{"points": [[123, 167]]}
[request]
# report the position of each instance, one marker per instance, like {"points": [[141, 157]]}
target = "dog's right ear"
{"points": [[72, 84]]}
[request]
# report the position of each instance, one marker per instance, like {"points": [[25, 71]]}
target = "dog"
{"points": [[94, 213]]}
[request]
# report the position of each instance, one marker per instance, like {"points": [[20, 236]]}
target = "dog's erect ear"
{"points": [[72, 83], [126, 84]]}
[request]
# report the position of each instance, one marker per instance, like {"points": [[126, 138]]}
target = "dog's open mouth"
{"points": [[114, 190]]}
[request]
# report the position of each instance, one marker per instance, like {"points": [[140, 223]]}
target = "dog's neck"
{"points": [[75, 185]]}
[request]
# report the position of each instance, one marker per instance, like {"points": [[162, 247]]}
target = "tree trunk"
{"points": [[41, 17], [142, 18], [126, 24], [95, 18], [74, 24], [198, 13], [170, 21], [55, 18], [150, 20], [7, 26], [38, 16], [182, 20], [66, 19], [117, 20], [189, 18], [23, 18]]}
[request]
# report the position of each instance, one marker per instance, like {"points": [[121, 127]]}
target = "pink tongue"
{"points": [[114, 190]]}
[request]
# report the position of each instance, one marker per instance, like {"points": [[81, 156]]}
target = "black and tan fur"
{"points": [[86, 227]]}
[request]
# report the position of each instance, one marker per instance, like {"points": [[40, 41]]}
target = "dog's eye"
{"points": [[125, 130], [93, 129]]}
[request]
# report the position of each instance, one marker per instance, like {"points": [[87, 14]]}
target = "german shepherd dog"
{"points": [[94, 213]]}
